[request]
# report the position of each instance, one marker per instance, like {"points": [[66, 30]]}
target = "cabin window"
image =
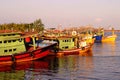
{"points": [[14, 40], [73, 39], [5, 50], [20, 40], [9, 35], [14, 49], [67, 40], [9, 41], [63, 47], [66, 47], [10, 50], [4, 35], [0, 41], [13, 34], [5, 41]]}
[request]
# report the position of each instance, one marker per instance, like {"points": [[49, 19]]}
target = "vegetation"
{"points": [[36, 26]]}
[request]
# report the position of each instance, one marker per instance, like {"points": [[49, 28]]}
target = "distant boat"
{"points": [[15, 47], [98, 38], [102, 38], [111, 38]]}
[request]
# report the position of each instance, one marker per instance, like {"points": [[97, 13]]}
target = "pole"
{"points": [[33, 38]]}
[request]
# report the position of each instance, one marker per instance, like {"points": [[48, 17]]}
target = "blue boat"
{"points": [[98, 38]]}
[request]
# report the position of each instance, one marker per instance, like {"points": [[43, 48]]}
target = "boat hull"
{"points": [[98, 38], [26, 56], [75, 51], [109, 38]]}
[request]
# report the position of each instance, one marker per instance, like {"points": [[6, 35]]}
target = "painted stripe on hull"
{"points": [[24, 57]]}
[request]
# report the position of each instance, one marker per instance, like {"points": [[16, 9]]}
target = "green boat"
{"points": [[16, 47], [68, 44], [11, 43]]}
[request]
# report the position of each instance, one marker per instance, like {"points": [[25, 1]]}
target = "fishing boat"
{"points": [[89, 38], [69, 44], [103, 38], [75, 51], [98, 38], [111, 38], [16, 47], [98, 35]]}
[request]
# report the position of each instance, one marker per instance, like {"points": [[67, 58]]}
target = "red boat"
{"points": [[17, 48]]}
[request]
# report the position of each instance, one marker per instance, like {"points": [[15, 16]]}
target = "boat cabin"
{"points": [[66, 43], [11, 43]]}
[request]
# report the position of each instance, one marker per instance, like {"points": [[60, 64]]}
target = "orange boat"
{"points": [[75, 51], [15, 47], [69, 45]]}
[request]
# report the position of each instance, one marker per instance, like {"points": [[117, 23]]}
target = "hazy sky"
{"points": [[65, 12]]}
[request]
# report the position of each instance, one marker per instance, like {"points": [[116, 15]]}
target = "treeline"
{"points": [[36, 26]]}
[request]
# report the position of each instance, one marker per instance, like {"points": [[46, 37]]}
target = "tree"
{"points": [[38, 25]]}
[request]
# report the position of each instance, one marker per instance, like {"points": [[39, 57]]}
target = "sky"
{"points": [[67, 13]]}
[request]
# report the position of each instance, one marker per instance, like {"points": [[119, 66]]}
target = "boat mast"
{"points": [[113, 31], [33, 38]]}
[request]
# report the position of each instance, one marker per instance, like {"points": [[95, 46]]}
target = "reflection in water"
{"points": [[87, 53], [66, 67], [72, 66], [105, 49], [21, 71]]}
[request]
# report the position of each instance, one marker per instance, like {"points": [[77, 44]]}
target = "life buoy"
{"points": [[74, 33], [27, 39]]}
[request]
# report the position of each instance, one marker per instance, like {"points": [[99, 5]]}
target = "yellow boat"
{"points": [[91, 41], [111, 38]]}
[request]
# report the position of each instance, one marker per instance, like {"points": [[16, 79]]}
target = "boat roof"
{"points": [[18, 37], [60, 37], [10, 33]]}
